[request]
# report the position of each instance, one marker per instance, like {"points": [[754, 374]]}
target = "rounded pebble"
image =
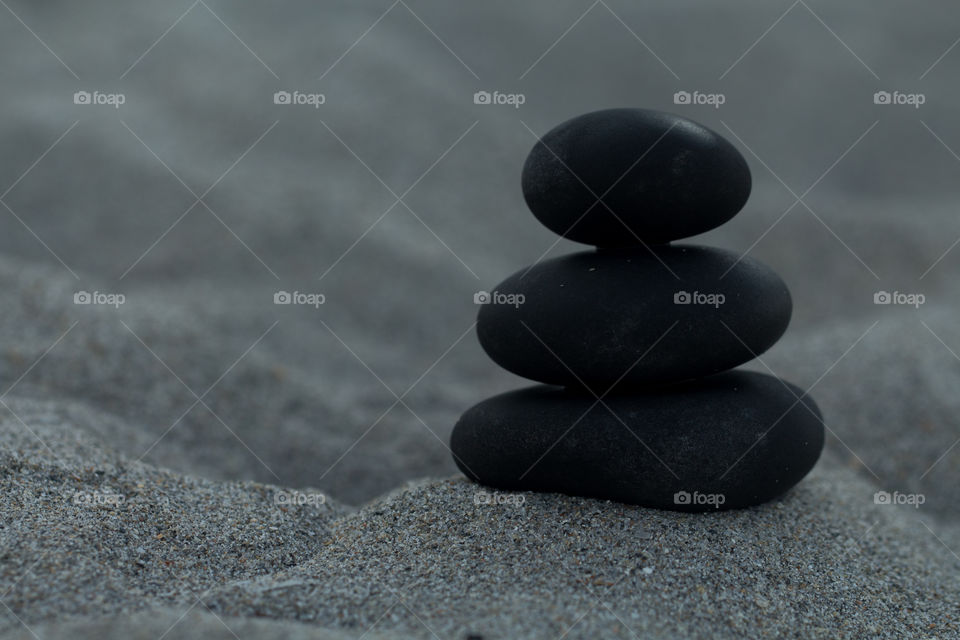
{"points": [[634, 316], [622, 177], [732, 440]]}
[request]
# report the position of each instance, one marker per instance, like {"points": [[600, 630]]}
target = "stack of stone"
{"points": [[633, 340]]}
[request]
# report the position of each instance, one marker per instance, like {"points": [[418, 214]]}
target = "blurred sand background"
{"points": [[199, 198]]}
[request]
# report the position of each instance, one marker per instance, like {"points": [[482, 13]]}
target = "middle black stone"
{"points": [[596, 316]]}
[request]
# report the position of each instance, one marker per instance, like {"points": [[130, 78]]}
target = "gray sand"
{"points": [[825, 561], [200, 401]]}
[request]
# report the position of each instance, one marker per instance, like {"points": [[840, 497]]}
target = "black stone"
{"points": [[599, 312], [740, 435], [661, 178]]}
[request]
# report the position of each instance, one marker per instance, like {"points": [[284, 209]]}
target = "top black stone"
{"points": [[628, 177]]}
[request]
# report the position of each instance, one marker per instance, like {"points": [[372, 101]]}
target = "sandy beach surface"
{"points": [[185, 458]]}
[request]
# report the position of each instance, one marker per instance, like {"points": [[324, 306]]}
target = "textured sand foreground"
{"points": [[825, 561]]}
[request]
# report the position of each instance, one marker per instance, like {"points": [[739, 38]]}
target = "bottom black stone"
{"points": [[732, 440]]}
